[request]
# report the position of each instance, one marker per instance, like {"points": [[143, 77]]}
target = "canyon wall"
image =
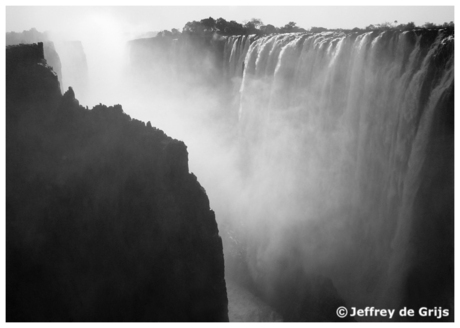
{"points": [[343, 182], [349, 138], [67, 58], [104, 221]]}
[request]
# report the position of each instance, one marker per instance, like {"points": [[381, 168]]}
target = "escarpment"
{"points": [[74, 66], [33, 36], [104, 222], [67, 58], [345, 152]]}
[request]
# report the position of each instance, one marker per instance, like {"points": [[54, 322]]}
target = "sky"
{"points": [[134, 20]]}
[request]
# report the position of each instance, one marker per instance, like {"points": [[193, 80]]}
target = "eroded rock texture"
{"points": [[104, 222]]}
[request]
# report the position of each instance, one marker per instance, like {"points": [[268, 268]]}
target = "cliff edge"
{"points": [[104, 222]]}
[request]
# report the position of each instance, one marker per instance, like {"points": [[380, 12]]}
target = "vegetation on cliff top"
{"points": [[220, 26]]}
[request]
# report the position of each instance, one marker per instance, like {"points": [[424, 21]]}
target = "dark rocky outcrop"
{"points": [[52, 58], [67, 58], [33, 36], [104, 222]]}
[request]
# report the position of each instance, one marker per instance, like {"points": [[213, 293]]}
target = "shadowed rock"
{"points": [[104, 221]]}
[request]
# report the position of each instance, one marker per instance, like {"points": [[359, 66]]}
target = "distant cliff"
{"points": [[30, 36], [67, 58], [346, 142], [189, 58], [33, 36], [74, 66], [104, 222], [52, 58]]}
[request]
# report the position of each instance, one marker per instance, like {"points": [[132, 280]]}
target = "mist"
{"points": [[307, 169], [312, 148]]}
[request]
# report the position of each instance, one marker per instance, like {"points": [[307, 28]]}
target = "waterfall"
{"points": [[334, 129]]}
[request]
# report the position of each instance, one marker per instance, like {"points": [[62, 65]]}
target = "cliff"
{"points": [[33, 36], [188, 58], [104, 222], [346, 152], [30, 36], [74, 66], [67, 58], [52, 58], [367, 128], [430, 279]]}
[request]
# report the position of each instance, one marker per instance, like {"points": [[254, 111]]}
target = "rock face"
{"points": [[189, 58], [67, 58], [104, 222], [33, 36], [52, 58], [74, 66], [347, 158], [430, 280]]}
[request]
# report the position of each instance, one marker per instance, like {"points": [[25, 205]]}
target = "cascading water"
{"points": [[334, 135], [328, 158], [338, 187]]}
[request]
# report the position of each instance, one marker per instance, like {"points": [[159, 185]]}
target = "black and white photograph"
{"points": [[229, 163]]}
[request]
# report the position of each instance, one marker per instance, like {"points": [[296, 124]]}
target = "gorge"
{"points": [[328, 159], [341, 144], [104, 220]]}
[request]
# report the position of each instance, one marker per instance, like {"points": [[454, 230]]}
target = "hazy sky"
{"points": [[139, 19]]}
